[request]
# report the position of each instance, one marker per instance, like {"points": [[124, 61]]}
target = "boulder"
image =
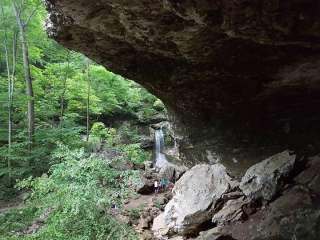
{"points": [[172, 172], [294, 215], [144, 222], [159, 227], [146, 235], [263, 180], [195, 196], [154, 119], [213, 234], [232, 211], [146, 142], [145, 186], [310, 177], [177, 238]]}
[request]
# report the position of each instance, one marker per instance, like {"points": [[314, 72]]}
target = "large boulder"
{"points": [[172, 171], [159, 227], [232, 211], [195, 196], [214, 234], [295, 214], [263, 180], [310, 177], [144, 186]]}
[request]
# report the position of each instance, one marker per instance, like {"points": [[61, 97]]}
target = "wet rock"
{"points": [[263, 180], [146, 142], [194, 197], [138, 166], [161, 125], [157, 118], [168, 171]]}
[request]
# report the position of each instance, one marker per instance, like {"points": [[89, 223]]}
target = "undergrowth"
{"points": [[79, 191]]}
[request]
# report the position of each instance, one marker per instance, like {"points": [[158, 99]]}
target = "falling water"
{"points": [[160, 159]]}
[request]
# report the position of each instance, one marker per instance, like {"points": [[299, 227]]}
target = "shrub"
{"points": [[80, 191]]}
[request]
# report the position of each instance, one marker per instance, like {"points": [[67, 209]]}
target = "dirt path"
{"points": [[139, 201], [17, 202]]}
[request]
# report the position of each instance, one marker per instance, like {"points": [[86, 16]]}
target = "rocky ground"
{"points": [[278, 198], [272, 201]]}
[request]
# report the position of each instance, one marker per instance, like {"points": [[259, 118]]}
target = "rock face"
{"points": [[262, 181], [295, 214], [146, 183], [232, 211], [159, 227], [241, 68], [241, 81], [195, 196], [172, 172]]}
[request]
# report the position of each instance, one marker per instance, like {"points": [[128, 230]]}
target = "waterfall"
{"points": [[160, 159]]}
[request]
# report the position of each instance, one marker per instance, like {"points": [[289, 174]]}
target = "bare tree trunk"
{"points": [[10, 76], [62, 98], [27, 73], [88, 101]]}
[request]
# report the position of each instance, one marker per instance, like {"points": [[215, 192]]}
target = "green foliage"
{"points": [[135, 213], [79, 193], [25, 163], [135, 154], [60, 84], [158, 105], [16, 220], [79, 188], [157, 204], [99, 130], [128, 134]]}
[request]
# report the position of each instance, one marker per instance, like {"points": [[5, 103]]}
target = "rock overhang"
{"points": [[239, 67]]}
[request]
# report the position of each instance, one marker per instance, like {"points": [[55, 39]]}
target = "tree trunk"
{"points": [[62, 98], [10, 76], [88, 102], [27, 73]]}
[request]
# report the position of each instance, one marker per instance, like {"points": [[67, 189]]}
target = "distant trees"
{"points": [[48, 94], [11, 68], [23, 24]]}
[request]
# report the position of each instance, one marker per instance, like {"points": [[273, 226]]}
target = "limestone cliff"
{"points": [[239, 76]]}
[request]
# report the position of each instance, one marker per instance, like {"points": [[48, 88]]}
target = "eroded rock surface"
{"points": [[240, 72], [172, 172], [263, 180], [240, 78], [195, 196], [295, 214], [232, 211]]}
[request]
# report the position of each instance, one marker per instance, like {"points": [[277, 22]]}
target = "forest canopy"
{"points": [[58, 107]]}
